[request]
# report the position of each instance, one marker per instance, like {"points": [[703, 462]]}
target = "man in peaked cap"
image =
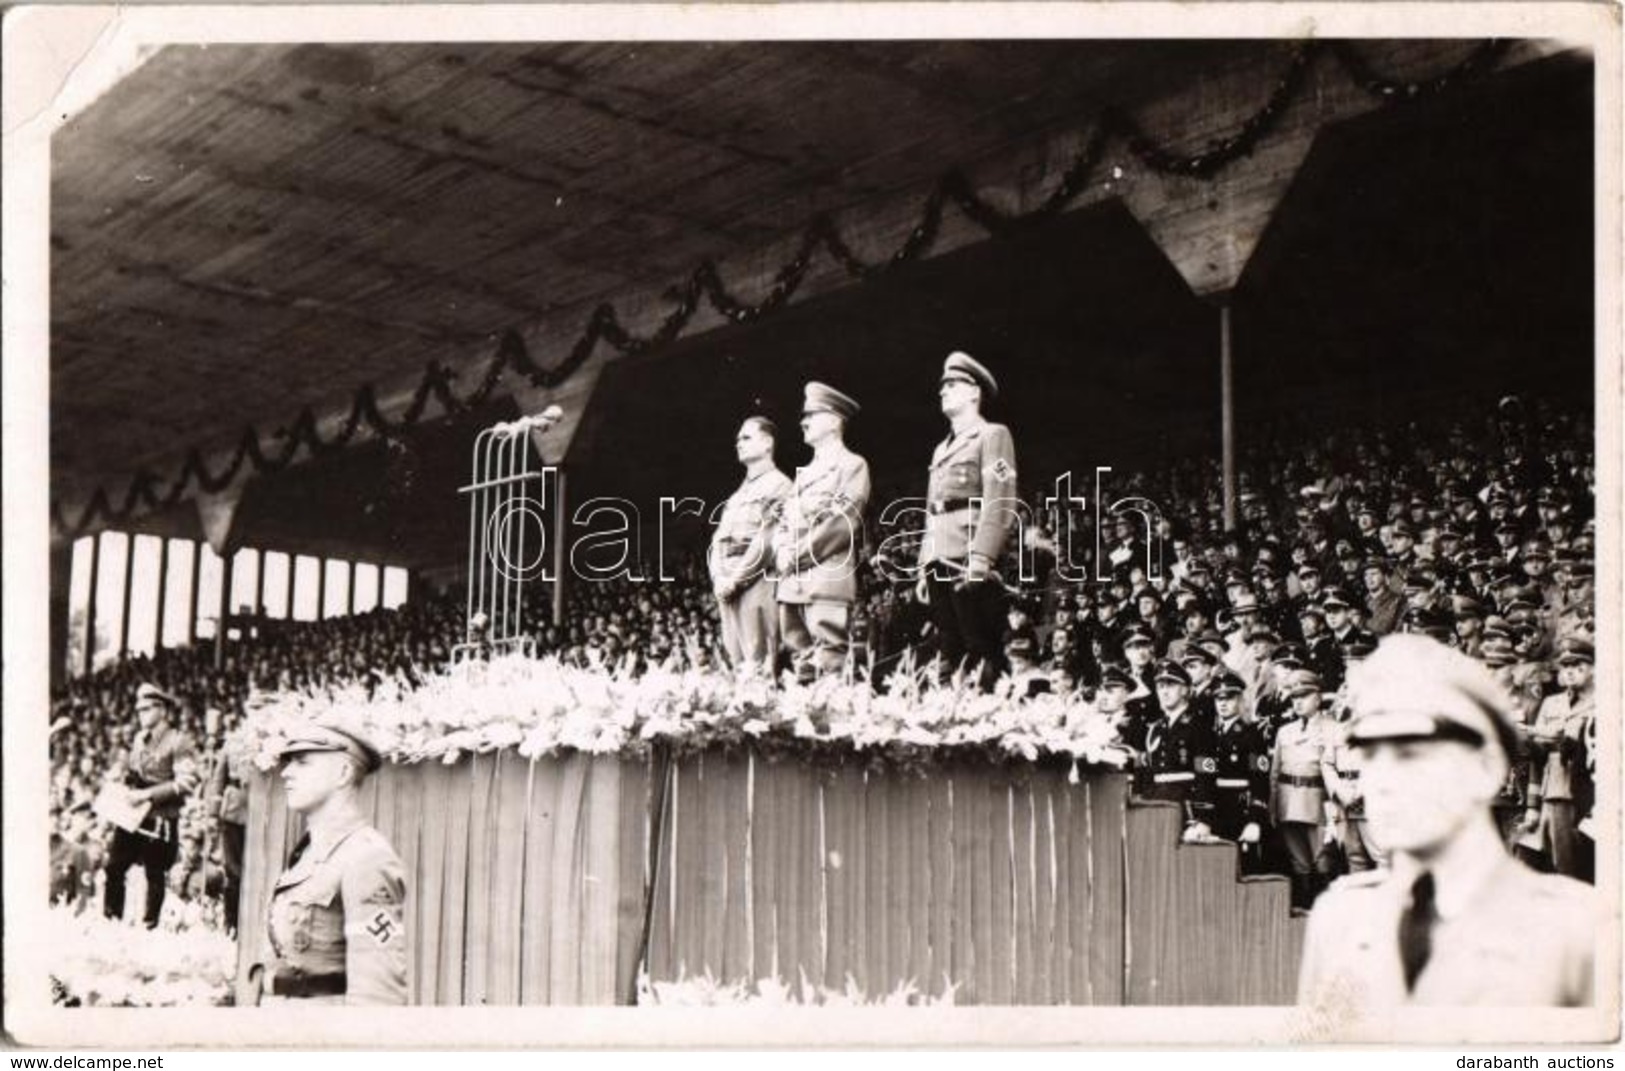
{"points": [[1241, 776], [1454, 920], [1559, 790], [155, 779], [970, 523], [1176, 752], [1297, 790], [818, 542], [336, 926]]}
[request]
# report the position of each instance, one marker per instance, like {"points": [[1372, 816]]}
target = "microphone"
{"points": [[537, 422]]}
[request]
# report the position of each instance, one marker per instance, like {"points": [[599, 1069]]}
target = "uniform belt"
{"points": [[1232, 782], [1165, 778], [948, 505], [308, 985], [1301, 782]]}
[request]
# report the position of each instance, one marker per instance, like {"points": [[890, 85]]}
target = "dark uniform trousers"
{"points": [[155, 844], [969, 619], [1241, 786], [971, 510]]}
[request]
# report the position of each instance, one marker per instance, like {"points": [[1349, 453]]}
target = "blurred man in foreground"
{"points": [[1456, 920]]}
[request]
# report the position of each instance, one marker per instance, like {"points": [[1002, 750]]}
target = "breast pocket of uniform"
{"points": [[316, 913], [964, 476]]}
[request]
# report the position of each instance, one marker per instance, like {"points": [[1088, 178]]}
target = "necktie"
{"points": [[1416, 929]]}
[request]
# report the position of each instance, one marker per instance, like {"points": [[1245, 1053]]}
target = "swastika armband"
{"points": [[381, 927]]}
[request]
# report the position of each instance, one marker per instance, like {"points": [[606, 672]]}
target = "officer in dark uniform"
{"points": [[971, 503], [156, 777], [1241, 777], [1321, 652], [1176, 753], [336, 932]]}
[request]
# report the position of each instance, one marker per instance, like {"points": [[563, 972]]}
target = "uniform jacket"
{"points": [[1563, 720], [1241, 778], [1326, 659], [1340, 769], [978, 463], [340, 908], [821, 531], [1383, 610], [1521, 939], [228, 801], [742, 548], [1177, 763], [152, 766], [1297, 790]]}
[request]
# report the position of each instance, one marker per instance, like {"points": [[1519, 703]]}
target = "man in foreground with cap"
{"points": [[818, 543], [156, 779], [970, 519], [336, 930], [742, 552], [1455, 920]]}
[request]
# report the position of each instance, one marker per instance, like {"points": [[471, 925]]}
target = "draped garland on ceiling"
{"points": [[150, 492]]}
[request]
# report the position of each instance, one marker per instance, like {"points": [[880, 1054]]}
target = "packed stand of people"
{"points": [[1220, 653], [1223, 652], [156, 724]]}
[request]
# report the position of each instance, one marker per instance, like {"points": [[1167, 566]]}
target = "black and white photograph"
{"points": [[870, 517]]}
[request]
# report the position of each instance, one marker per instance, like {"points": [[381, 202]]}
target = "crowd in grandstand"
{"points": [[1222, 655]]}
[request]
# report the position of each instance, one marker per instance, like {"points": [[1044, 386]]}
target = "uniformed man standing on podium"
{"points": [[819, 540], [1455, 920], [971, 516], [742, 552]]}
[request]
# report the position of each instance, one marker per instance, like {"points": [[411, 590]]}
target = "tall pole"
{"points": [[560, 557], [163, 592], [193, 596], [224, 609], [129, 585], [287, 592], [90, 611], [1227, 413]]}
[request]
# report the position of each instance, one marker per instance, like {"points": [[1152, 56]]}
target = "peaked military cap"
{"points": [[148, 694], [1116, 675], [327, 737], [1169, 670], [1575, 649], [822, 398], [962, 365], [1302, 682], [1416, 688]]}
